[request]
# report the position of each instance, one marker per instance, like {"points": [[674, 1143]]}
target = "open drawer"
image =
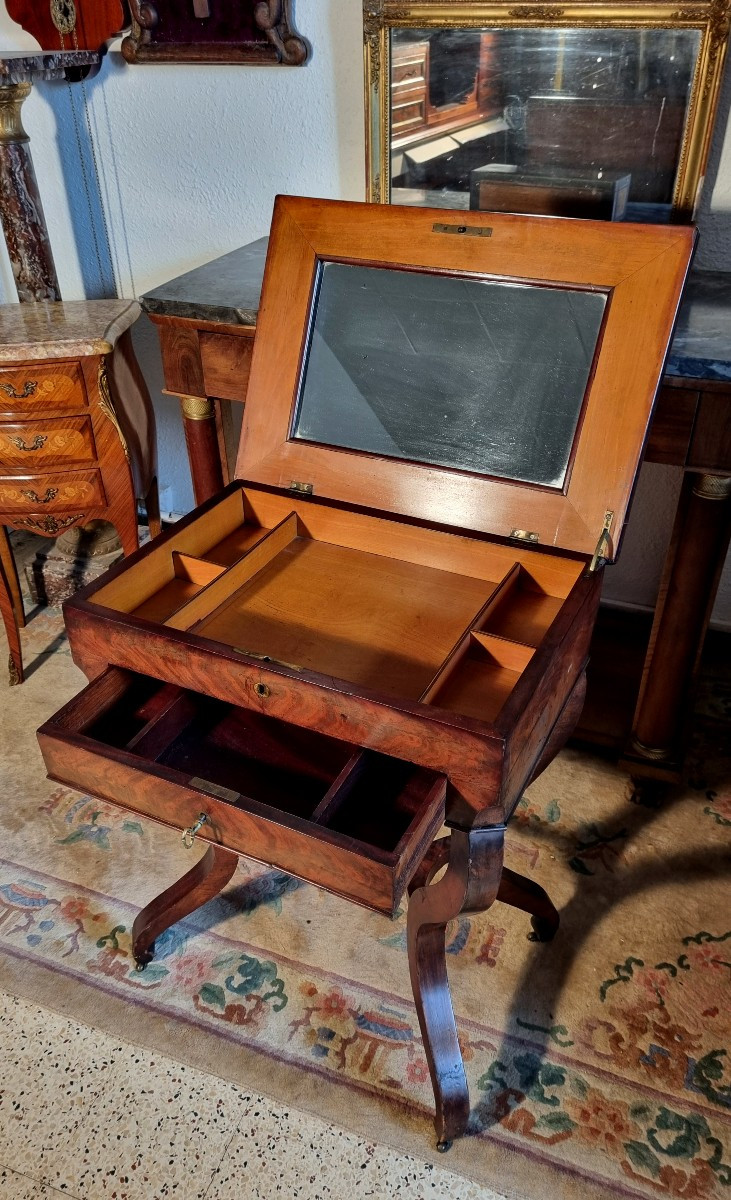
{"points": [[352, 821]]}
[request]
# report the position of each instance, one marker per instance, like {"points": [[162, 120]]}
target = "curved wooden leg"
{"points": [[206, 879], [522, 893], [515, 890], [470, 884], [152, 508], [10, 621], [125, 523], [11, 573]]}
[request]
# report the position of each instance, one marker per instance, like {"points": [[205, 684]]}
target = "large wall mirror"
{"points": [[595, 110]]}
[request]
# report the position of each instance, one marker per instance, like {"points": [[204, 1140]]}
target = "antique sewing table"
{"points": [[383, 624], [640, 693]]}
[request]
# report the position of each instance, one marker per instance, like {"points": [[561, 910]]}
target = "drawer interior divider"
{"points": [[221, 589], [173, 711], [195, 569], [340, 788]]}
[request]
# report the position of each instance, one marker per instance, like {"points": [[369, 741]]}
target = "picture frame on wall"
{"points": [[589, 109], [214, 31]]}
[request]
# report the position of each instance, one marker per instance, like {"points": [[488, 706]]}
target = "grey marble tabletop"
{"points": [[701, 347], [228, 288], [19, 66]]}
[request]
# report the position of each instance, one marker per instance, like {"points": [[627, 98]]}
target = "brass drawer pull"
{"points": [[51, 494], [50, 524], [189, 834], [38, 442], [28, 390]]}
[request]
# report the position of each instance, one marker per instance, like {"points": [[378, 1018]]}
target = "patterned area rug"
{"points": [[598, 1065]]}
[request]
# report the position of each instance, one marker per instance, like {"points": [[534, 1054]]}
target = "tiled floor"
{"points": [[86, 1116]]}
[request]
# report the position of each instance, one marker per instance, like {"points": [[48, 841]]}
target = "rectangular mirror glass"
{"points": [[565, 121], [487, 376]]}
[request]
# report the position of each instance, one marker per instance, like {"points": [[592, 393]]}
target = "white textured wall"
{"points": [[191, 158]]}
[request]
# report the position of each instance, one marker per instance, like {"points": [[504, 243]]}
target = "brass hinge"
{"points": [[602, 543], [524, 535], [305, 489]]}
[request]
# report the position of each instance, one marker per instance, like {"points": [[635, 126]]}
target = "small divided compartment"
{"points": [[431, 618], [187, 561], [350, 820], [489, 660]]}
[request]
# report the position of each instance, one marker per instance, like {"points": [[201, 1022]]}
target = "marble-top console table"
{"points": [[206, 321]]}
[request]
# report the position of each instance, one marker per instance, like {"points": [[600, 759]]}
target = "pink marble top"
{"points": [[62, 328]]}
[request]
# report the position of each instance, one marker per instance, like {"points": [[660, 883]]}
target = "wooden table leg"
{"points": [[11, 572], [10, 621], [470, 884], [515, 890], [201, 437], [692, 571], [206, 879]]}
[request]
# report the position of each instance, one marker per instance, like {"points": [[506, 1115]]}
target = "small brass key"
{"points": [[189, 834]]}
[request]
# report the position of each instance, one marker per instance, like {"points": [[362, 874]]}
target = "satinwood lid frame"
{"points": [[641, 269]]}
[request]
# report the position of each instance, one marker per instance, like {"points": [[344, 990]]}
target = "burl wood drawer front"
{"points": [[37, 386], [357, 824], [226, 361], [62, 441], [53, 492]]}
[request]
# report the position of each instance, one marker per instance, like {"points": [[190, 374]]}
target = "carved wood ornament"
{"points": [[211, 31]]}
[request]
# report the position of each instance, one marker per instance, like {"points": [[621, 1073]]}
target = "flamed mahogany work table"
{"points": [[637, 702], [382, 625]]}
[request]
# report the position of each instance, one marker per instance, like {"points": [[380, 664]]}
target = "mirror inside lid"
{"points": [[478, 375], [494, 376]]}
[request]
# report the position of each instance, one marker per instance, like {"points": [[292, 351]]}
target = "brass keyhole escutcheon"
{"points": [[262, 690]]}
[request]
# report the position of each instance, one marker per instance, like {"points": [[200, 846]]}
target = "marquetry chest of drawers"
{"points": [[77, 431]]}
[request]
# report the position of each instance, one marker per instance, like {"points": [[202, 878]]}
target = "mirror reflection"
{"points": [[479, 375], [569, 122]]}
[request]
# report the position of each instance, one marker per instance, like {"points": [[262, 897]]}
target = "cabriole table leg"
{"points": [[10, 620], [204, 881], [470, 884]]}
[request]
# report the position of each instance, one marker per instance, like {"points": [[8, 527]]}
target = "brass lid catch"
{"points": [[599, 558]]}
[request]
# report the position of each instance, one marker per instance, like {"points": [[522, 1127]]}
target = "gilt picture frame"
{"points": [[700, 28]]}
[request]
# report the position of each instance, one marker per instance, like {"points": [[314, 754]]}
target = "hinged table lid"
{"points": [[496, 375]]}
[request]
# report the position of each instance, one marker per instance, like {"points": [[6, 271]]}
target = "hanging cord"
{"points": [[97, 177]]}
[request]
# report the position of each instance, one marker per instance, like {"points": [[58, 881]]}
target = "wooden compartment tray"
{"points": [[440, 626], [351, 820]]}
